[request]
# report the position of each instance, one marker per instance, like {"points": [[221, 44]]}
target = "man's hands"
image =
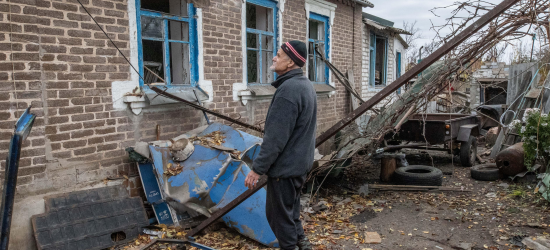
{"points": [[251, 179]]}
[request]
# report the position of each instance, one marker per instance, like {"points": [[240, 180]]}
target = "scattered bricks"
{"points": [[68, 127], [81, 133], [69, 76], [105, 131], [93, 124], [31, 170], [106, 52], [75, 144], [67, 58], [58, 119], [65, 24], [95, 43], [78, 17], [69, 41], [94, 76], [59, 137], [52, 103], [71, 110], [105, 68], [81, 51], [85, 151], [84, 117], [64, 6], [82, 85], [95, 140], [82, 68], [79, 33], [106, 147], [95, 59]]}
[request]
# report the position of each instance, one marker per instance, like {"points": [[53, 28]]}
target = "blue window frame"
{"points": [[378, 60], [167, 41], [261, 40], [398, 68], [319, 33]]}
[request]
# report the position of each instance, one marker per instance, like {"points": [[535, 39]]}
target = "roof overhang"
{"points": [[384, 27], [364, 3]]}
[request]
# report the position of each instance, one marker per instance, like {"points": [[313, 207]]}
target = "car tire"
{"points": [[468, 152], [485, 172], [419, 175]]}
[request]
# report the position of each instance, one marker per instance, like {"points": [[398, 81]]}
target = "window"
{"points": [[318, 37], [167, 41], [261, 39], [378, 60], [398, 68]]}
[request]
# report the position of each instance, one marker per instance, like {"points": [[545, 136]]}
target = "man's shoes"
{"points": [[304, 244]]}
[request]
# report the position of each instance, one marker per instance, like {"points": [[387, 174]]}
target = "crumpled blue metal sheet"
{"points": [[211, 178]]}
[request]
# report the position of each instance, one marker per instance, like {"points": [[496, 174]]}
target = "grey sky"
{"points": [[398, 11]]}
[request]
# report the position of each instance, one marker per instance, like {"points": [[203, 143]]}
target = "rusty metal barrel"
{"points": [[510, 160]]}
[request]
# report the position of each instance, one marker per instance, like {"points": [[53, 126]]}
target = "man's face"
{"points": [[281, 63]]}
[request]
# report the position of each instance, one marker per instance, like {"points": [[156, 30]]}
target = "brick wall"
{"points": [[54, 58]]}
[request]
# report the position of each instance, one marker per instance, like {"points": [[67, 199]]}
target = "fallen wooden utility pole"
{"points": [[414, 188], [465, 34]]}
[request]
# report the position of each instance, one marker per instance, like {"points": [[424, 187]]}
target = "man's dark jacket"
{"points": [[289, 135]]}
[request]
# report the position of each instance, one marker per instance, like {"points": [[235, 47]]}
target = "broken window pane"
{"points": [[153, 59], [320, 70], [178, 30], [259, 18], [252, 66], [151, 27], [174, 7], [179, 63]]}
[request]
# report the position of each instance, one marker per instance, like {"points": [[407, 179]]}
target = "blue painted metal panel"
{"points": [[154, 195], [212, 176]]}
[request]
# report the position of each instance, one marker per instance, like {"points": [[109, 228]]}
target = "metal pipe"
{"points": [[22, 129]]}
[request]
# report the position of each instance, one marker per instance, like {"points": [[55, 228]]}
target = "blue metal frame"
{"points": [[398, 69], [271, 5], [193, 42], [326, 41], [384, 76]]}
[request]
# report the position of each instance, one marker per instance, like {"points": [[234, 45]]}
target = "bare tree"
{"points": [[496, 53], [411, 40]]}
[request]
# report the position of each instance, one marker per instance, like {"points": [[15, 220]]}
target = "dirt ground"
{"points": [[487, 215]]}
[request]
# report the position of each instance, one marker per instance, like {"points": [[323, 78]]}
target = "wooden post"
{"points": [[388, 167]]}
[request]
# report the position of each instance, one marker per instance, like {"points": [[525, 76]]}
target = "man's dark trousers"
{"points": [[283, 209]]}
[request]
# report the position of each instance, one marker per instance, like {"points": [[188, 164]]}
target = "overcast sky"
{"points": [[398, 11]]}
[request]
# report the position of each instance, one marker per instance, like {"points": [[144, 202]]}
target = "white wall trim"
{"points": [[324, 8], [205, 85]]}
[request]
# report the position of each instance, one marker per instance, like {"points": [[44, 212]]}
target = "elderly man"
{"points": [[288, 145]]}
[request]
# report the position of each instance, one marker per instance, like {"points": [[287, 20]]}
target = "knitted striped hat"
{"points": [[297, 51]]}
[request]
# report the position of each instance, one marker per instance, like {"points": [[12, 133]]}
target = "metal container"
{"points": [[510, 160]]}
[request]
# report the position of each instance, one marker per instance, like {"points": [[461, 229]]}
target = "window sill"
{"points": [[262, 92], [150, 98]]}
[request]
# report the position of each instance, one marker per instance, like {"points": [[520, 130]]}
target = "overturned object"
{"points": [[212, 177], [510, 160]]}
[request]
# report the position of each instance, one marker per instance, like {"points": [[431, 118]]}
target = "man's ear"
{"points": [[291, 63]]}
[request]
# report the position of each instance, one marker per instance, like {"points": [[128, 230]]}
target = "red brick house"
{"points": [[55, 58]]}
